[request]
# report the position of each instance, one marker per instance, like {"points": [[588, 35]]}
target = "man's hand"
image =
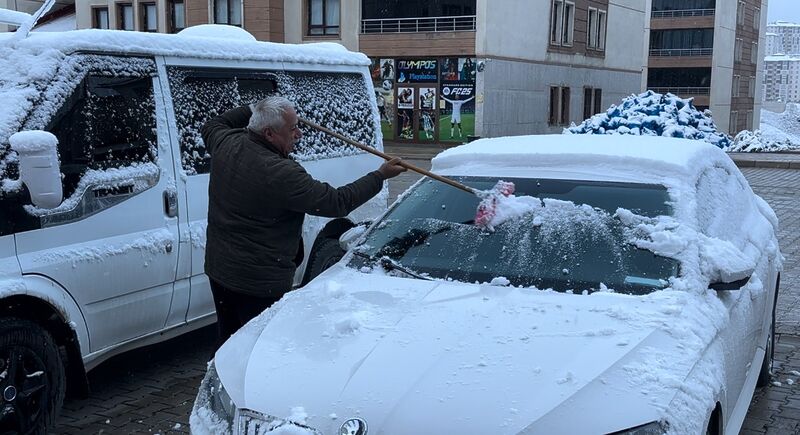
{"points": [[391, 168]]}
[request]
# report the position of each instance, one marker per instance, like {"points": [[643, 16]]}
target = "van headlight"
{"points": [[215, 412]]}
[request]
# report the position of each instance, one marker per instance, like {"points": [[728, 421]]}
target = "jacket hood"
{"points": [[408, 355]]}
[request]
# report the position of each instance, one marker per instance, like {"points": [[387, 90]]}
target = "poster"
{"points": [[426, 125], [457, 116], [405, 123], [457, 69], [417, 71], [427, 98], [405, 98]]}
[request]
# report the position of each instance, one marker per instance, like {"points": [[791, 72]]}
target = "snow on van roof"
{"points": [[638, 157], [207, 41]]}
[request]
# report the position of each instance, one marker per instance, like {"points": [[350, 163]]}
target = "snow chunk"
{"points": [[652, 114], [25, 142], [221, 31]]}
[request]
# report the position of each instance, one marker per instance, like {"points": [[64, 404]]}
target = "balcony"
{"points": [[416, 25], [685, 91], [683, 13], [671, 52]]}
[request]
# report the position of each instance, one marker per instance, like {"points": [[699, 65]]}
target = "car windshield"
{"points": [[572, 243]]}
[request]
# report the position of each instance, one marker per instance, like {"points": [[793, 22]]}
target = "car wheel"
{"points": [[326, 253], [32, 380], [769, 348]]}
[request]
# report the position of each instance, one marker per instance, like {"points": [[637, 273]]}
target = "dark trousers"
{"points": [[234, 309]]}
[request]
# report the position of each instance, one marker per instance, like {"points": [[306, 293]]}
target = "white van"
{"points": [[118, 262]]}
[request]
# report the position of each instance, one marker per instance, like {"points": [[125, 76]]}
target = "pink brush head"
{"points": [[487, 209]]}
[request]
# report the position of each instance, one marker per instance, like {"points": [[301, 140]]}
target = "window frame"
{"points": [[756, 18], [559, 107], [738, 48], [737, 85], [143, 16], [328, 30], [734, 121], [596, 29], [229, 9], [560, 27], [754, 53], [592, 101], [95, 18], [740, 11], [121, 16], [172, 28], [751, 87]]}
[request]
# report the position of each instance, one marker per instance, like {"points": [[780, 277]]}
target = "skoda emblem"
{"points": [[354, 426]]}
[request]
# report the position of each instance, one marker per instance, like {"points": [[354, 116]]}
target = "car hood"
{"points": [[446, 357]]}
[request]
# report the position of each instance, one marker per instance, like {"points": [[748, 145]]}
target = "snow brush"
{"points": [[487, 209]]}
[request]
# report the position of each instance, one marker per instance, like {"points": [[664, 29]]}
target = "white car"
{"points": [[634, 294]]}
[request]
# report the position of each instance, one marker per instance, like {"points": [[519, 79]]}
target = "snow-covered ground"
{"points": [[778, 132]]}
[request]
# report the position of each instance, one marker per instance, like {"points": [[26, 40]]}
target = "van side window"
{"points": [[337, 100], [108, 122], [102, 110]]}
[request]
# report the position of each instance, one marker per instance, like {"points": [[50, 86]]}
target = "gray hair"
{"points": [[268, 113]]}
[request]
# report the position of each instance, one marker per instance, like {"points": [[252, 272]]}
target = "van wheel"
{"points": [[325, 254], [32, 381]]}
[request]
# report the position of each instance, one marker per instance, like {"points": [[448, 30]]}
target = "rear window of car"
{"points": [[574, 243]]}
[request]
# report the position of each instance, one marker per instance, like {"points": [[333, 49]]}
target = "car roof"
{"points": [[612, 157], [205, 41]]}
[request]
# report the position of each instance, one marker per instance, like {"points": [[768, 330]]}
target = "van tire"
{"points": [[29, 403], [326, 253]]}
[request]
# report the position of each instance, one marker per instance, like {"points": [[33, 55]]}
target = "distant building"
{"points": [[788, 39], [774, 43], [494, 67], [782, 64], [782, 78], [709, 50]]}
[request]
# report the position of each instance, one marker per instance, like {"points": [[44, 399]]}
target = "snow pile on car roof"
{"points": [[647, 159], [652, 114]]}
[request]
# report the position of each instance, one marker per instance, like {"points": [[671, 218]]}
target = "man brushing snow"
{"points": [[258, 198]]}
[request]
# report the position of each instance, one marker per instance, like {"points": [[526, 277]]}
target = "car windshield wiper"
{"points": [[389, 265]]}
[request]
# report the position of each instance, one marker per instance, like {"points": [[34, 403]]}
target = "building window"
{"points": [[125, 16], [177, 16], [559, 105], [734, 127], [740, 13], [592, 102], [148, 17], [562, 23], [323, 17], [100, 18], [736, 86], [228, 12], [597, 29], [749, 120], [751, 87], [737, 55], [754, 53], [757, 18]]}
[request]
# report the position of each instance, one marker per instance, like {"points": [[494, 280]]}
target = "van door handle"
{"points": [[170, 203]]}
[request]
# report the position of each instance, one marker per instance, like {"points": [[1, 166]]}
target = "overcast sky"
{"points": [[786, 10]]}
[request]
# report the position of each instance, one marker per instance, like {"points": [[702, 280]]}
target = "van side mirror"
{"points": [[39, 168]]}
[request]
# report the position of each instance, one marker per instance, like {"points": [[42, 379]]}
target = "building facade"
{"points": [[712, 51], [443, 70], [787, 39], [782, 78]]}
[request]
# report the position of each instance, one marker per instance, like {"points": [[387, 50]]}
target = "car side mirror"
{"points": [[732, 285], [39, 168], [350, 236]]}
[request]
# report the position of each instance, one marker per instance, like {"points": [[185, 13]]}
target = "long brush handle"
{"points": [[387, 157]]}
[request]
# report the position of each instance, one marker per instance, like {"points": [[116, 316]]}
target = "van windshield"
{"points": [[574, 243]]}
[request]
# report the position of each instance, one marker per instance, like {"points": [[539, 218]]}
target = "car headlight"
{"points": [[654, 428], [215, 412]]}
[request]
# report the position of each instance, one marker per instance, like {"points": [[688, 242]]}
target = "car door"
{"points": [[111, 244], [724, 202], [198, 91]]}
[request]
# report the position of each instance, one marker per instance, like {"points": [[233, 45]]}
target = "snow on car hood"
{"points": [[448, 357]]}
